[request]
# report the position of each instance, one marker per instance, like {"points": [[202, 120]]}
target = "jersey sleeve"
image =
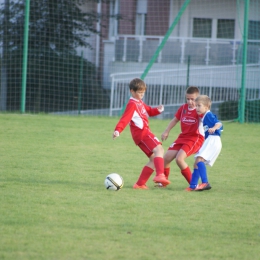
{"points": [[178, 113], [211, 120], [126, 117], [151, 111]]}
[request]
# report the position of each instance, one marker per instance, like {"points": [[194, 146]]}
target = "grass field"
{"points": [[53, 203]]}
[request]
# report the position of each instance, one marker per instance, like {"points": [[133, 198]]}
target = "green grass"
{"points": [[53, 203]]}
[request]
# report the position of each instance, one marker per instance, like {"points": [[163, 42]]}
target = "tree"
{"points": [[57, 28]]}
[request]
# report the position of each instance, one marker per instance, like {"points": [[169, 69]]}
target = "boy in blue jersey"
{"points": [[211, 147]]}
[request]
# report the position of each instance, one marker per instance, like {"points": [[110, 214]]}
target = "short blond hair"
{"points": [[204, 99]]}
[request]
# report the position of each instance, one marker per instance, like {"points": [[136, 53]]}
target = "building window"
{"points": [[113, 23], [226, 29], [140, 24], [202, 27], [141, 11], [254, 30]]}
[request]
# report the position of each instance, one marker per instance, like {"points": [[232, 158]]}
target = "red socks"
{"points": [[147, 171], [167, 172], [187, 174], [159, 165], [144, 176]]}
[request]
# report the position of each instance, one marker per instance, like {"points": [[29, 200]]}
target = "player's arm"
{"points": [[166, 132], [214, 122], [124, 120], [215, 127], [154, 111]]}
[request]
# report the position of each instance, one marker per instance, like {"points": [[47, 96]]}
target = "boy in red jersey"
{"points": [[189, 140], [136, 115]]}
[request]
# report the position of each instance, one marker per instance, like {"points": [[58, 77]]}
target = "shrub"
{"points": [[53, 83], [229, 111]]}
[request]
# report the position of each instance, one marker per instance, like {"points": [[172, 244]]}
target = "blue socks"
{"points": [[203, 172], [195, 178]]}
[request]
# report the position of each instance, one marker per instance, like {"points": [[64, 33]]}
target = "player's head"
{"points": [[203, 104], [137, 88], [191, 94]]}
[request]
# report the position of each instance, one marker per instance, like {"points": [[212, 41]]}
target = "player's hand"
{"points": [[115, 134], [164, 135], [211, 130], [160, 108]]}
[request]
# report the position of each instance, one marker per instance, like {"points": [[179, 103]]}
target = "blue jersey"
{"points": [[209, 120]]}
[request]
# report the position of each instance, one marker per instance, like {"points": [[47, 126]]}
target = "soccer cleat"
{"points": [[203, 186], [140, 187], [161, 179], [189, 189]]}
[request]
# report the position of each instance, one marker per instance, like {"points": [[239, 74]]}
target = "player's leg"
{"points": [[144, 176], [147, 170], [185, 169], [153, 149], [158, 161], [188, 148], [203, 171], [203, 175], [207, 156], [169, 156], [195, 175]]}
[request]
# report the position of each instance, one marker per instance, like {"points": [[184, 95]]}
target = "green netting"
{"points": [[82, 54]]}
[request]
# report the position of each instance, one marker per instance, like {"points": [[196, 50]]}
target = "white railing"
{"points": [[139, 50], [220, 83]]}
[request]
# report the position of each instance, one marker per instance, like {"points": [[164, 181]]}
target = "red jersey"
{"points": [[136, 115], [190, 123]]}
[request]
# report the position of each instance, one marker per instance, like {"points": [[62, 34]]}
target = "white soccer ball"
{"points": [[114, 182]]}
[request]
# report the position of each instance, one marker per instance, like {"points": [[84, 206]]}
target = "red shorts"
{"points": [[148, 143], [190, 146]]}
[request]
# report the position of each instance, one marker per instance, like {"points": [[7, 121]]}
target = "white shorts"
{"points": [[210, 149]]}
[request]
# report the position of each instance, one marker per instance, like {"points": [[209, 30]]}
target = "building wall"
{"points": [[157, 17], [127, 9], [89, 54], [161, 14]]}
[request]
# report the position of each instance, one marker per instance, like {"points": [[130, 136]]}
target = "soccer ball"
{"points": [[114, 182]]}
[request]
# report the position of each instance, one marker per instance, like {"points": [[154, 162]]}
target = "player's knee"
{"points": [[161, 150], [179, 160], [199, 159], [158, 151]]}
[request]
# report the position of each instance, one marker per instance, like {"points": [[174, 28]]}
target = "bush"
{"points": [[53, 83], [252, 111], [229, 111]]}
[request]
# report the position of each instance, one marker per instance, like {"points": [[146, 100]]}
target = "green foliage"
{"points": [[54, 204], [55, 25], [252, 111], [57, 28], [53, 83], [229, 111]]}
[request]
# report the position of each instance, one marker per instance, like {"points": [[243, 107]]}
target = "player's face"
{"points": [[201, 109], [190, 98], [139, 94]]}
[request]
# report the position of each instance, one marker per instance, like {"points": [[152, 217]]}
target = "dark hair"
{"points": [[137, 84], [192, 90]]}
